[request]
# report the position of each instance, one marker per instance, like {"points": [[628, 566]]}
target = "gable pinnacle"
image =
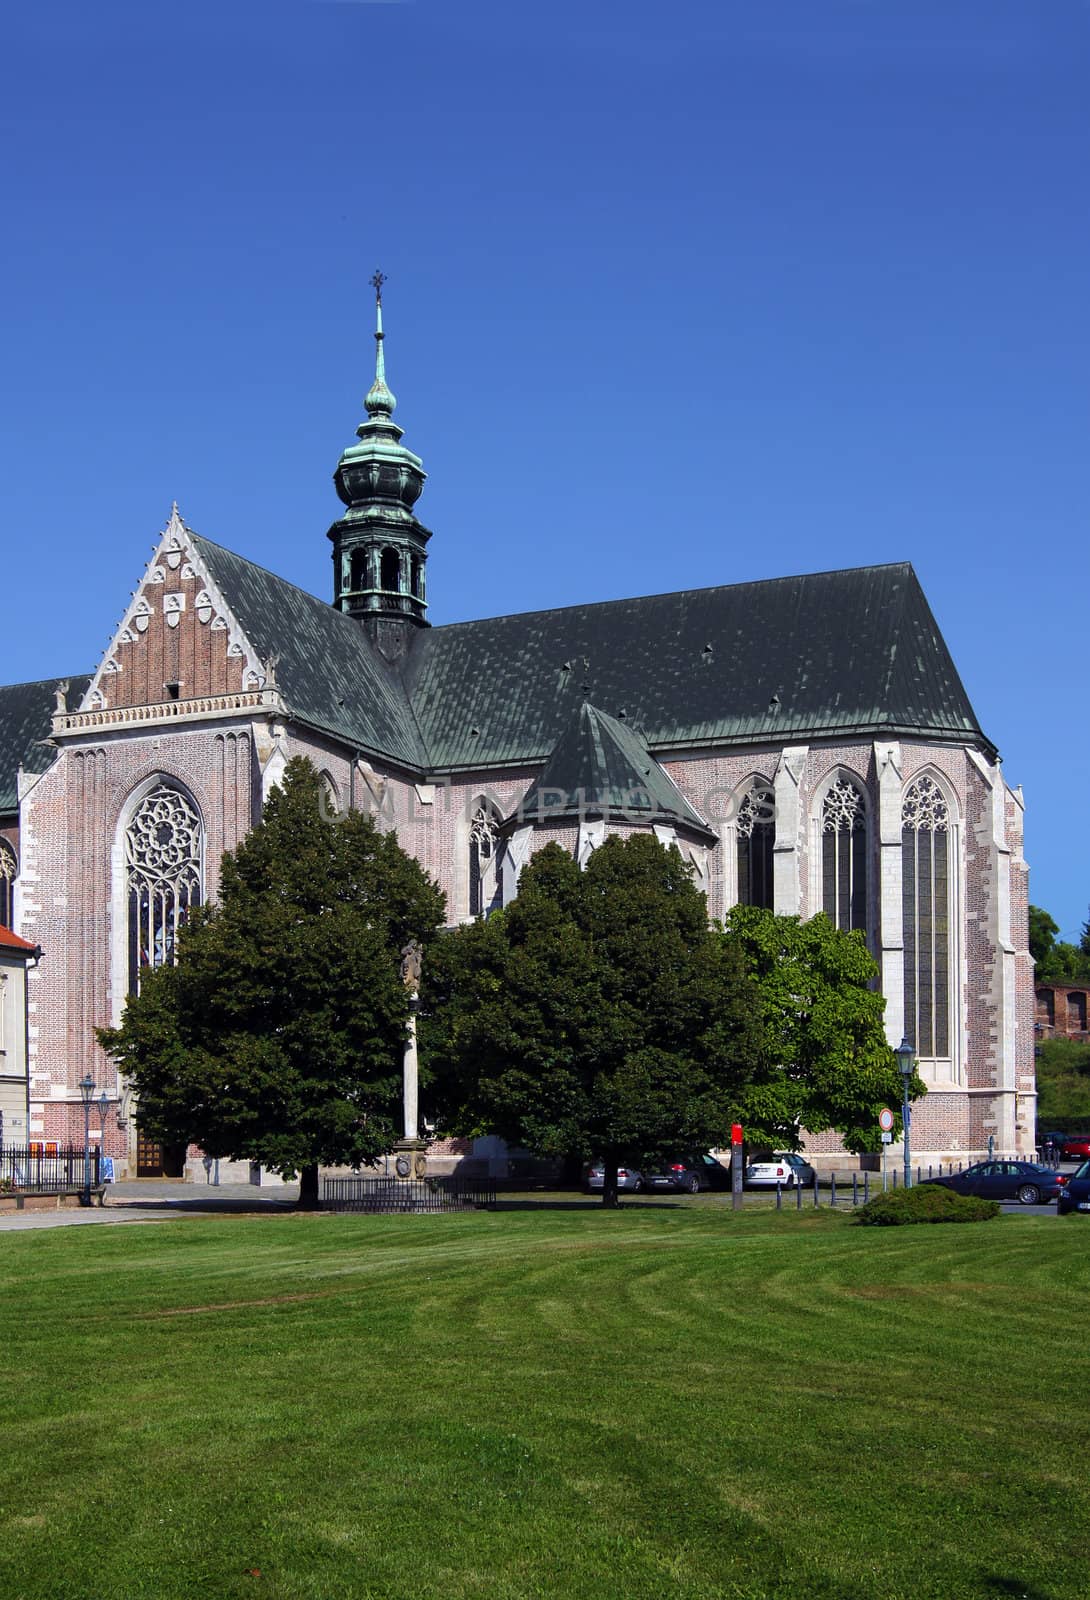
{"points": [[379, 401]]}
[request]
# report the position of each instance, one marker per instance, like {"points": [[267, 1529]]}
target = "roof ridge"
{"points": [[670, 594], [40, 683]]}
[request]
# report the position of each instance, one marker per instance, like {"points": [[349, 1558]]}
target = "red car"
{"points": [[1076, 1147]]}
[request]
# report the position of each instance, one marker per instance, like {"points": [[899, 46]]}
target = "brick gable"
{"points": [[178, 639]]}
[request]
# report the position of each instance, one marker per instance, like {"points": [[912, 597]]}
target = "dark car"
{"points": [[1076, 1192], [1075, 1147], [1024, 1181], [687, 1175]]}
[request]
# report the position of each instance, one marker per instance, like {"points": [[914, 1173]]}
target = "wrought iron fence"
{"points": [[46, 1168], [406, 1194]]}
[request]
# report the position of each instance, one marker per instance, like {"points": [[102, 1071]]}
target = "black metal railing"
{"points": [[46, 1168], [405, 1194]]}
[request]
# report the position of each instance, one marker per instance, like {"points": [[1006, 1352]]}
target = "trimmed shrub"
{"points": [[928, 1202]]}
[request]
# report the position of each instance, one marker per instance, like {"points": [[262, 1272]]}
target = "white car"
{"points": [[784, 1167]]}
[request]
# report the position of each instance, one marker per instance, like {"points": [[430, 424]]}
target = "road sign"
{"points": [[736, 1133], [887, 1138], [885, 1119]]}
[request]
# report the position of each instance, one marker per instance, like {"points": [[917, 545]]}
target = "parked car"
{"points": [[783, 1167], [1075, 1195], [687, 1174], [627, 1178], [1025, 1181], [1075, 1147]]}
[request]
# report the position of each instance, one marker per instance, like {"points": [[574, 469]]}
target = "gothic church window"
{"points": [[925, 879], [844, 856], [163, 848], [756, 830], [484, 850], [8, 872]]}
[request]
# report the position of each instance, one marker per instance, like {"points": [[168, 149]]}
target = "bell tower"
{"points": [[379, 546]]}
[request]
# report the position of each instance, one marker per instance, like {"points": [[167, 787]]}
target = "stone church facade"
{"points": [[805, 742]]}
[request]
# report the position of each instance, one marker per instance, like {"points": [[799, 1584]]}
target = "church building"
{"points": [[805, 742]]}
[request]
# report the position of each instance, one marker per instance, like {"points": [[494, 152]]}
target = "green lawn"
{"points": [[669, 1401]]}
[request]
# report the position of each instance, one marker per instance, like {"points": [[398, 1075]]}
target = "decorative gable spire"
{"points": [[379, 546]]}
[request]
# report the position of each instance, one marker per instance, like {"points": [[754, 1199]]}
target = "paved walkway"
{"points": [[152, 1201]]}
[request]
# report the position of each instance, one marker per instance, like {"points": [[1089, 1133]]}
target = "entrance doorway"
{"points": [[155, 1160]]}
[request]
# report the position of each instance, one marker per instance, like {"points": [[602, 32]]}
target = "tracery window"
{"points": [[756, 830], [844, 856], [163, 874], [925, 879], [484, 847], [8, 872]]}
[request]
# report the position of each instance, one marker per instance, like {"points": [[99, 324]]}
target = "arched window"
{"points": [[844, 856], [8, 871], [1076, 1012], [415, 575], [359, 571], [756, 830], [391, 571], [163, 876], [328, 797], [484, 849], [925, 879]]}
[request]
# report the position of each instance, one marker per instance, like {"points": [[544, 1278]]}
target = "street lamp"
{"points": [[906, 1061], [87, 1090]]}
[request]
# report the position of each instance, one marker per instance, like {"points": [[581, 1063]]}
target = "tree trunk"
{"points": [[609, 1182], [308, 1189]]}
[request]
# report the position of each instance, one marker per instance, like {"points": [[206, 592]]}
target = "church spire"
{"points": [[379, 551], [379, 402]]}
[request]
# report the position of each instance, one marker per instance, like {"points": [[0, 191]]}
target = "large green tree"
{"points": [[1057, 960], [278, 1036], [597, 1015], [824, 1061], [1063, 1084]]}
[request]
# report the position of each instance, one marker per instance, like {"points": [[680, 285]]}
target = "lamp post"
{"points": [[906, 1061], [87, 1090]]}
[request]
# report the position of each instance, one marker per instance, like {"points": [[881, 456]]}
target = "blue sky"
{"points": [[678, 295]]}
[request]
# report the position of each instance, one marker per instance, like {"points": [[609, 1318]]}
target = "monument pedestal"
{"points": [[410, 1159]]}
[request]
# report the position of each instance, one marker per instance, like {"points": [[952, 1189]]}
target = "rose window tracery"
{"points": [[163, 846], [843, 808], [924, 807]]}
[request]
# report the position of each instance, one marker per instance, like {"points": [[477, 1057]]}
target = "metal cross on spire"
{"points": [[376, 283]]}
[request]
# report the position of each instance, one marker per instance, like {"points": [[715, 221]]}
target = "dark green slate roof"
{"points": [[327, 671], [26, 720], [830, 653], [601, 768]]}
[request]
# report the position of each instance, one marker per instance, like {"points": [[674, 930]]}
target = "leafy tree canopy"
{"points": [[597, 1015], [1042, 933], [278, 1036], [1057, 960], [824, 1059], [1063, 1084]]}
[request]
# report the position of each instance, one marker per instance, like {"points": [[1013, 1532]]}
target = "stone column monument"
{"points": [[410, 1160]]}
